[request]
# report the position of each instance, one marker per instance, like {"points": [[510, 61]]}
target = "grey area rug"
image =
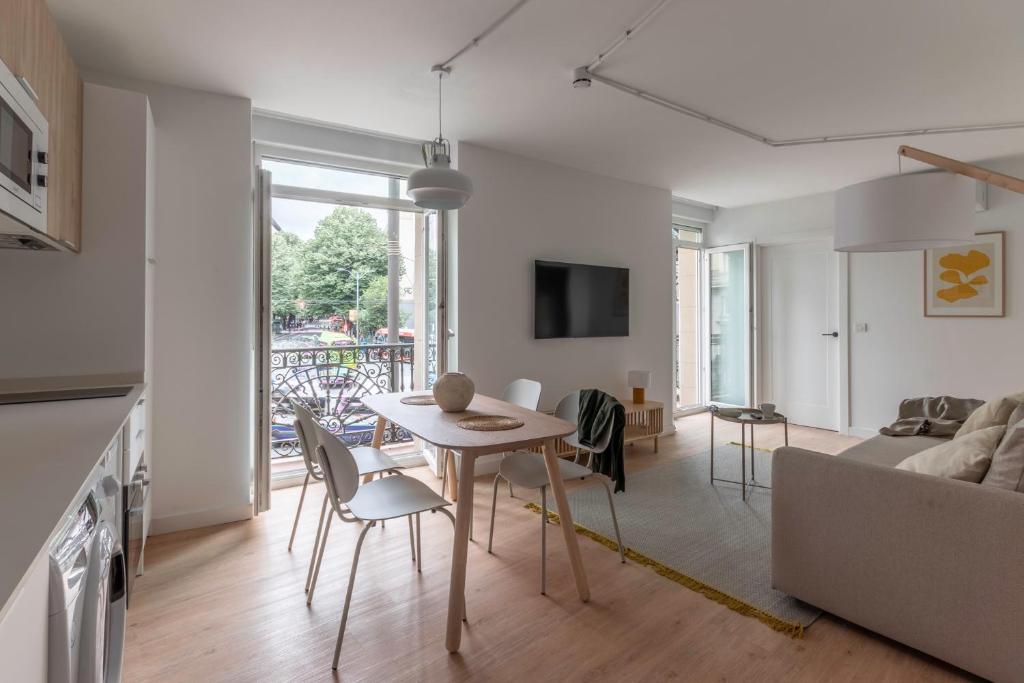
{"points": [[672, 515]]}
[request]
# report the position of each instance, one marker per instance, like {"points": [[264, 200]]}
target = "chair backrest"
{"points": [[569, 410], [525, 393], [308, 439], [341, 474]]}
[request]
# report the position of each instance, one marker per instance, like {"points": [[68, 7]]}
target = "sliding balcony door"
{"points": [[728, 325]]}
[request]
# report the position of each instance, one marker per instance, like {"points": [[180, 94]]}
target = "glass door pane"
{"points": [[728, 297], [687, 328]]}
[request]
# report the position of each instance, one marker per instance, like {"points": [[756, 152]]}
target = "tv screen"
{"points": [[573, 300]]}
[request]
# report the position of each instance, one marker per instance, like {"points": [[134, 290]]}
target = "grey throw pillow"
{"points": [[1007, 468]]}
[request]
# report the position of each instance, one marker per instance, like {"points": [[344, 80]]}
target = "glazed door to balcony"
{"points": [[351, 306], [728, 325]]}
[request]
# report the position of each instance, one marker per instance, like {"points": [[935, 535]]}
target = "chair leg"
{"points": [[319, 559], [348, 595], [419, 544], [444, 471], [511, 493], [316, 543], [615, 520], [380, 475], [494, 502], [412, 540], [298, 511], [543, 539]]}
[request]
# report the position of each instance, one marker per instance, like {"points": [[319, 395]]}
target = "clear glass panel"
{"points": [[687, 327], [686, 233], [332, 179], [727, 305]]}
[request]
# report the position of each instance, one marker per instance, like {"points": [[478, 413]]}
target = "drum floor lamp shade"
{"points": [[905, 213]]}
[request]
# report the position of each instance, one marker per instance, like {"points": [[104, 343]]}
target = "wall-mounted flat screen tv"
{"points": [[574, 300]]}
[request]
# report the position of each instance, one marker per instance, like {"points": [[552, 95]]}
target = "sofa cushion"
{"points": [[1007, 468], [990, 414], [889, 451], [966, 458]]}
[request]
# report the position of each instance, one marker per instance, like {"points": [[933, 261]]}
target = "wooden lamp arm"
{"points": [[1007, 182]]}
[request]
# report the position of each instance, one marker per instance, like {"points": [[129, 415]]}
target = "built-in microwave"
{"points": [[24, 159]]}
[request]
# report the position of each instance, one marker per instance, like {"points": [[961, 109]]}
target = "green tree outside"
{"points": [[321, 270]]}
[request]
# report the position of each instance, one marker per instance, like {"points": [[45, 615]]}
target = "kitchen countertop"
{"points": [[47, 451]]}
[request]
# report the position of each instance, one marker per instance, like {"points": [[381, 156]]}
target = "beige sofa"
{"points": [[934, 563]]}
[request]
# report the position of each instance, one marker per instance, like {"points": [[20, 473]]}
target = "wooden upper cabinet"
{"points": [[32, 47]]}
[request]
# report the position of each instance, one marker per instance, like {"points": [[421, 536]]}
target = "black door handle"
{"points": [[829, 334]]}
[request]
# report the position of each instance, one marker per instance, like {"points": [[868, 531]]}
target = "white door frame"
{"points": [[842, 265]]}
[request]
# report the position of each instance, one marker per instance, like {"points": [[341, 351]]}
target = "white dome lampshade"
{"points": [[905, 213], [439, 186]]}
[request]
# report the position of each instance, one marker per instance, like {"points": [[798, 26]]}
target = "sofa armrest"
{"points": [[935, 563]]}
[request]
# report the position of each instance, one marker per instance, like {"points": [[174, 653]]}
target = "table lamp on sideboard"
{"points": [[639, 380]]}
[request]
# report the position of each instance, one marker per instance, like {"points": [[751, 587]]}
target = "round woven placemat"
{"points": [[419, 400], [489, 423]]}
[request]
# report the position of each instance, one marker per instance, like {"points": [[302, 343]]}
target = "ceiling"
{"points": [[783, 68]]}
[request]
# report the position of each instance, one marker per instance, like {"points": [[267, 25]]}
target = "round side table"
{"points": [[744, 417]]}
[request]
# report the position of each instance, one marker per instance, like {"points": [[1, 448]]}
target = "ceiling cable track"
{"points": [[795, 142], [587, 72], [627, 34], [446, 64]]}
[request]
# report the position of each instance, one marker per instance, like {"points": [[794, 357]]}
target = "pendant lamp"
{"points": [[905, 213], [439, 186]]}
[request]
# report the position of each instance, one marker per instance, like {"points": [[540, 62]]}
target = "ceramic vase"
{"points": [[453, 391]]}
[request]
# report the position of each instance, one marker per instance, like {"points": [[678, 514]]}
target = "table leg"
{"points": [[785, 430], [568, 530], [712, 447], [453, 478], [378, 440], [743, 460], [753, 456], [460, 551]]}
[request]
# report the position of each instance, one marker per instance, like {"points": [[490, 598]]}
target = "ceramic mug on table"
{"points": [[767, 411]]}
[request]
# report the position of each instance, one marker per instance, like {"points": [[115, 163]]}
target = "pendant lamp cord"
{"points": [[439, 75]]}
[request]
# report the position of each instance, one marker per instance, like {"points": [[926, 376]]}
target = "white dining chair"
{"points": [[524, 393], [369, 461], [372, 502], [528, 470]]}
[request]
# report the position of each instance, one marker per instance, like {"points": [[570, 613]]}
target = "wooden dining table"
{"points": [[431, 424]]}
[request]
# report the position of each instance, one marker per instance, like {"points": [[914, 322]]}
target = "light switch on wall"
{"points": [[861, 327]]}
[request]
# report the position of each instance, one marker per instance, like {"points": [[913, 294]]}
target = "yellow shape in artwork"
{"points": [[950, 276], [980, 280], [968, 263], [952, 294]]}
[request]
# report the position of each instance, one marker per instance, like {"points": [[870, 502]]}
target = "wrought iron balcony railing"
{"points": [[332, 381]]}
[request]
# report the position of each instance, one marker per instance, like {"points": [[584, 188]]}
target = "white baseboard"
{"points": [[200, 518]]}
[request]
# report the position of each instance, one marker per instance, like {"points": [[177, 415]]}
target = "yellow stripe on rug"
{"points": [[789, 628]]}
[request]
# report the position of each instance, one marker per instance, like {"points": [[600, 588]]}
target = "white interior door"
{"points": [[800, 324], [728, 325]]}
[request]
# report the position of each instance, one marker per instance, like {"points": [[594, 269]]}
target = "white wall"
{"points": [[83, 314], [202, 305], [904, 354], [524, 210]]}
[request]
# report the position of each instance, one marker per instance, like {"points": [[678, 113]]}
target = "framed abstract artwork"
{"points": [[966, 281]]}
